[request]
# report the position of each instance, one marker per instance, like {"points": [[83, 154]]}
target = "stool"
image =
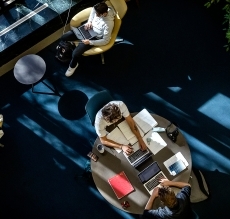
{"points": [[29, 70]]}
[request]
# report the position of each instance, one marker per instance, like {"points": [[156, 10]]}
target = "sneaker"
{"points": [[70, 71]]}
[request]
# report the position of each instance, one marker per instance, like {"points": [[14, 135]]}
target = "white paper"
{"points": [[117, 136], [145, 121], [157, 142], [174, 158], [126, 130]]}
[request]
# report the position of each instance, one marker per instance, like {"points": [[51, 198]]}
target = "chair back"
{"points": [[119, 6], [96, 102]]}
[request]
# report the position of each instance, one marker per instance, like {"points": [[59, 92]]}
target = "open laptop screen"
{"points": [[149, 172]]}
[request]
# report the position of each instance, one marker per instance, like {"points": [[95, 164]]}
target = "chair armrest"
{"points": [[80, 17]]}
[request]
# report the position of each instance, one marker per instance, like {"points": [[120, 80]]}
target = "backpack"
{"points": [[64, 51]]}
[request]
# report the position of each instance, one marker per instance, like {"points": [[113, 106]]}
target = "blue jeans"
{"points": [[78, 51]]}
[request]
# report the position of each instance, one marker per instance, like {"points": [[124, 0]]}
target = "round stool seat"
{"points": [[29, 69]]}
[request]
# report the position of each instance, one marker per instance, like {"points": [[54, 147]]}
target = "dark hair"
{"points": [[167, 196], [101, 8], [110, 112]]}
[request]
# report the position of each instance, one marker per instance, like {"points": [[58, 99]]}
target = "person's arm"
{"points": [[150, 202], [166, 182], [126, 148], [135, 131]]}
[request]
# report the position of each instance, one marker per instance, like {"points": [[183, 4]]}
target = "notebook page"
{"points": [[157, 142], [144, 120], [126, 130], [117, 136]]}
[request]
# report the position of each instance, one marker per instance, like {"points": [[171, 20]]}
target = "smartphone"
{"points": [[92, 156]]}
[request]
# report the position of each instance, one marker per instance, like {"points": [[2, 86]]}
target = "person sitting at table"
{"points": [[175, 206], [111, 113]]}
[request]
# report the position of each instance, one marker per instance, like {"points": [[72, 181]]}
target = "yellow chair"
{"points": [[120, 8]]}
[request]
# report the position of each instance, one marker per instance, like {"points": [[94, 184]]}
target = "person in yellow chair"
{"points": [[101, 20]]}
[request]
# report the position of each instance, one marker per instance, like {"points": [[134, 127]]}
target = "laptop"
{"points": [[82, 34], [138, 156], [150, 176], [177, 167]]}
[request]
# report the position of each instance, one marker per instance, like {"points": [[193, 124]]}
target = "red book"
{"points": [[121, 185]]}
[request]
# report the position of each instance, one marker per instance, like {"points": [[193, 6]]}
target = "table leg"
{"points": [[55, 92]]}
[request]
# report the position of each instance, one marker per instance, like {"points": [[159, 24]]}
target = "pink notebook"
{"points": [[121, 185]]}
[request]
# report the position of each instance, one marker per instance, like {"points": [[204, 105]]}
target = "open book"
{"points": [[129, 135], [145, 121], [117, 136]]}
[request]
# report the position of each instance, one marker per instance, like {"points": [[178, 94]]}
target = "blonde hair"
{"points": [[167, 196]]}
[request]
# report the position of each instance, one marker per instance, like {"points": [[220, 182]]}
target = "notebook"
{"points": [[145, 121], [151, 176], [120, 185], [82, 34], [138, 156]]}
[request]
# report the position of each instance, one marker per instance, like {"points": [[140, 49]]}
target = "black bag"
{"points": [[64, 51], [172, 134]]}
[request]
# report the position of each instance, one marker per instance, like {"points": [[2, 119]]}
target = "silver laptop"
{"points": [[151, 176], [138, 156], [82, 34]]}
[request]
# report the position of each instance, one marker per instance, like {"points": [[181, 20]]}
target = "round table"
{"points": [[29, 69], [111, 163]]}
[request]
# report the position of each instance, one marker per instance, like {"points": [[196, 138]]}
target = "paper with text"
{"points": [[117, 136], [126, 130], [156, 144], [145, 121]]}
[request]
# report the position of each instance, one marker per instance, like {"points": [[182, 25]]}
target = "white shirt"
{"points": [[101, 124]]}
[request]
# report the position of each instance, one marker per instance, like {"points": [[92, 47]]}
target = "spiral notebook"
{"points": [[120, 185]]}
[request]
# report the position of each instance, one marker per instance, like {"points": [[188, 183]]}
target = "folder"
{"points": [[120, 185]]}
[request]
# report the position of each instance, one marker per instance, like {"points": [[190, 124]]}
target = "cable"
{"points": [[70, 5]]}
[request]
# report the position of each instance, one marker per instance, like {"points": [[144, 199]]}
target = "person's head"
{"points": [[101, 9], [111, 113], [167, 196]]}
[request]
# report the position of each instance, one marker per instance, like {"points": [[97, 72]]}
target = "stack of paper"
{"points": [[155, 142], [145, 121]]}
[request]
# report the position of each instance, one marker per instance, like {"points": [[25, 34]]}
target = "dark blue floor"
{"points": [[179, 70]]}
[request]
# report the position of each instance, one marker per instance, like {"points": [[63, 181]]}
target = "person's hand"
{"points": [[155, 192], [86, 42], [127, 149], [142, 145], [164, 182], [88, 25]]}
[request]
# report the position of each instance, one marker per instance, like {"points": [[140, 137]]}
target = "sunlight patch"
{"points": [[217, 108], [53, 141], [207, 157], [175, 89]]}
